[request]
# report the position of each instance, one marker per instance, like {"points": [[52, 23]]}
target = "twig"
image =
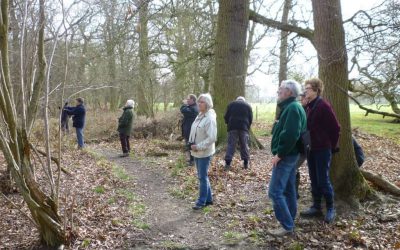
{"points": [[54, 159], [92, 88], [15, 205]]}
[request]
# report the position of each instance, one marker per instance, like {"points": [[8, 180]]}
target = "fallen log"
{"points": [[381, 182]]}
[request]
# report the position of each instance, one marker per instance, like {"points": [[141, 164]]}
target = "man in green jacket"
{"points": [[285, 146], [125, 127]]}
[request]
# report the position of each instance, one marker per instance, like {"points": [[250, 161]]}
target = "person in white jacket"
{"points": [[203, 135]]}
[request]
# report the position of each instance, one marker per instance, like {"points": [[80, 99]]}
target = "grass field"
{"points": [[104, 124], [373, 124]]}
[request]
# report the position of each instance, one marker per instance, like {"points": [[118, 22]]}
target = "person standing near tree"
{"points": [[284, 146], [125, 127], [238, 117], [78, 119], [64, 119], [324, 133], [203, 136], [189, 111]]}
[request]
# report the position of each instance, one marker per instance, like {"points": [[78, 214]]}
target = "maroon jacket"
{"points": [[323, 125]]}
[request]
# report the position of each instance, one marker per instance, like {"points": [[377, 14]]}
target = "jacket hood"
{"points": [[286, 101], [211, 113]]}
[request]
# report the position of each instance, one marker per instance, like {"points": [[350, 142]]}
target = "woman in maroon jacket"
{"points": [[324, 132]]}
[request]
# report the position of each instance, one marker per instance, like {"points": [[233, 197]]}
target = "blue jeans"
{"points": [[282, 191], [319, 162], [205, 193], [79, 137]]}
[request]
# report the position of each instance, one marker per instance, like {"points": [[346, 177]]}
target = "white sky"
{"points": [[268, 83]]}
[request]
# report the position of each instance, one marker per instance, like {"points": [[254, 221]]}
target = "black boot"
{"points": [[245, 164], [227, 165], [314, 211]]}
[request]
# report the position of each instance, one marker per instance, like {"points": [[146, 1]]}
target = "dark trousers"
{"points": [[187, 150], [65, 125], [233, 137], [126, 147], [319, 162], [300, 162]]}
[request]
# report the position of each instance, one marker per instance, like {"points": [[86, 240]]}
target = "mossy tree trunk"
{"points": [[229, 73], [330, 44], [145, 106]]}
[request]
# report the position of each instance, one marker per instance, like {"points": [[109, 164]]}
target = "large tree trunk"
{"points": [[229, 74], [283, 49], [330, 44], [144, 105], [110, 47]]}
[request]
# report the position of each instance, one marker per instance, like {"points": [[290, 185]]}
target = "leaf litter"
{"points": [[242, 212]]}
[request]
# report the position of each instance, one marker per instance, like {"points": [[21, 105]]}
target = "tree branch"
{"points": [[368, 110], [54, 159], [306, 33]]}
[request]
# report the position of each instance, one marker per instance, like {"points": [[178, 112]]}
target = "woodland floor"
{"points": [[144, 202]]}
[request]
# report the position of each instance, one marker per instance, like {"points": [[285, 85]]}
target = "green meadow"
{"points": [[372, 124]]}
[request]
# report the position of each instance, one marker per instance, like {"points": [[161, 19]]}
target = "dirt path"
{"points": [[173, 224]]}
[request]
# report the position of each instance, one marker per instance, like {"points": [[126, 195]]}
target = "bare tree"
{"points": [[375, 46]]}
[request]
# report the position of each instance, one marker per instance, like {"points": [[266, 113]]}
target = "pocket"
{"points": [[290, 160]]}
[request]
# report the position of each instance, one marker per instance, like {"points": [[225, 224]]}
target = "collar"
{"points": [[312, 103], [286, 102]]}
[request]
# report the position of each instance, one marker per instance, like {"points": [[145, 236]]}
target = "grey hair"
{"points": [[130, 103], [293, 86], [240, 98], [208, 99]]}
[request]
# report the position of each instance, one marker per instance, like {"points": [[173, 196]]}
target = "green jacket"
{"points": [[288, 128], [125, 121]]}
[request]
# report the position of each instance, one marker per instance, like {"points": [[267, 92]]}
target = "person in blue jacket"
{"points": [[78, 119]]}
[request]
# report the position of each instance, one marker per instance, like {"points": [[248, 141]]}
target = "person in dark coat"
{"points": [[65, 119], [324, 133], [78, 119], [238, 117], [189, 111], [360, 157], [125, 123]]}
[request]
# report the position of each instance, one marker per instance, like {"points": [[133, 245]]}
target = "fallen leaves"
{"points": [[90, 205], [106, 212]]}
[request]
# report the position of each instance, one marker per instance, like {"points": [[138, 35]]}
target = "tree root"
{"points": [[380, 182]]}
